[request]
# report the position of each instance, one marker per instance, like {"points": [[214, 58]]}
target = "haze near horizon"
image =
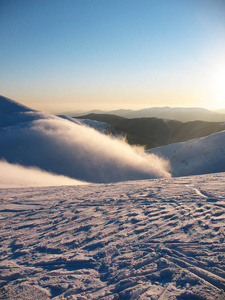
{"points": [[81, 55]]}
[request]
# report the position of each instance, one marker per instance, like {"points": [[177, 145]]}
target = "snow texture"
{"points": [[151, 239], [198, 156]]}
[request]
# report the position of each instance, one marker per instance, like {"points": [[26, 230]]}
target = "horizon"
{"points": [[85, 55], [135, 108], [152, 107], [220, 110], [118, 109]]}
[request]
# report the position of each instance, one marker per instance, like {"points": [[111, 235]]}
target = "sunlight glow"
{"points": [[219, 87]]}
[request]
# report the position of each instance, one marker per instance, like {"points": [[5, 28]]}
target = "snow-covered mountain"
{"points": [[154, 239], [102, 127], [198, 156], [64, 147], [10, 106]]}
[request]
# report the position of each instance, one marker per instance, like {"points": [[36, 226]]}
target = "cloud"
{"points": [[63, 147], [13, 175]]}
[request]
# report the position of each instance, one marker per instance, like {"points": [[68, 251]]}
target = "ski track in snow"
{"points": [[151, 239]]}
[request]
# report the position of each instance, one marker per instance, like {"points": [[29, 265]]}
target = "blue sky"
{"points": [[60, 55]]}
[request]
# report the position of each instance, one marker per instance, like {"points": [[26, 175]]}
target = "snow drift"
{"points": [[63, 147], [13, 175]]}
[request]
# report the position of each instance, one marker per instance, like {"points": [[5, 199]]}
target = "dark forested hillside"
{"points": [[154, 132]]}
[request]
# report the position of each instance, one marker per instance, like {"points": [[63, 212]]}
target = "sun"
{"points": [[218, 88]]}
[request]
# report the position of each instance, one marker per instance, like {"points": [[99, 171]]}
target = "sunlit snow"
{"points": [[152, 239]]}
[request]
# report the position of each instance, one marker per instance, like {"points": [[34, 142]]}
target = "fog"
{"points": [[14, 175], [63, 147]]}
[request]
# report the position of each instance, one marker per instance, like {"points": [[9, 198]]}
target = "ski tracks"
{"points": [[158, 239]]}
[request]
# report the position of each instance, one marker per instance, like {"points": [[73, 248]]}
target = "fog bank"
{"points": [[13, 175], [68, 148]]}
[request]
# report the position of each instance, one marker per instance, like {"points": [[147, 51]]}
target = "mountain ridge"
{"points": [[8, 105], [183, 114], [155, 132]]}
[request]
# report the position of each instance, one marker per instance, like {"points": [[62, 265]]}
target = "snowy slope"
{"points": [[154, 239], [65, 147], [198, 156], [11, 106], [102, 127]]}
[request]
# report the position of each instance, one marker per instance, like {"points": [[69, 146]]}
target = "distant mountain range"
{"points": [[177, 113], [154, 132]]}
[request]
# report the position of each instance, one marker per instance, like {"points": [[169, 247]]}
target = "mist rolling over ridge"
{"points": [[63, 147], [14, 175]]}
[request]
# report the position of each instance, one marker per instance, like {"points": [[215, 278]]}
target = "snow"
{"points": [[100, 126], [150, 239], [166, 121], [197, 156], [11, 106]]}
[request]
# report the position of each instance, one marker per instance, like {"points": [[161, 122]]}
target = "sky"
{"points": [[70, 55]]}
